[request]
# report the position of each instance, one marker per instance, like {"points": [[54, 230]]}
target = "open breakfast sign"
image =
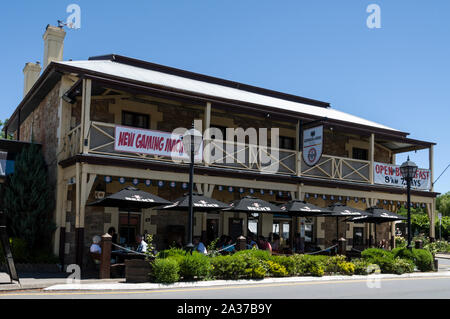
{"points": [[388, 174], [141, 141]]}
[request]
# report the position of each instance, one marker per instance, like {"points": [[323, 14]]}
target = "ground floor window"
{"points": [[252, 227], [309, 230], [281, 229]]}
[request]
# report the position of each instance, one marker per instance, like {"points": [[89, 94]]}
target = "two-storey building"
{"points": [[74, 107]]}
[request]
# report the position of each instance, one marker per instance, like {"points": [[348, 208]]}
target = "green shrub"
{"points": [[194, 266], [275, 269], [346, 268], [287, 262], [422, 258], [310, 265], [386, 264], [165, 270], [376, 252], [400, 241], [331, 264], [256, 253], [255, 268], [401, 266], [361, 266], [171, 253], [228, 267]]}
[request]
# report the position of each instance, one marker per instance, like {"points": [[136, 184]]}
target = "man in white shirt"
{"points": [[142, 245]]}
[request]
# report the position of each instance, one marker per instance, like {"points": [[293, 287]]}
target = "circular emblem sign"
{"points": [[312, 154]]}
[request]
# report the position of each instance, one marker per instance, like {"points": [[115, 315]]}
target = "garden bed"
{"points": [[175, 265]]}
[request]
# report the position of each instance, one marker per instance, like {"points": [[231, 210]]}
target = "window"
{"points": [[135, 119], [287, 143], [358, 236], [360, 153], [282, 229]]}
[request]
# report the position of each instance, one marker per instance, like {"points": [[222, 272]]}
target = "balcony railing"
{"points": [[226, 154]]}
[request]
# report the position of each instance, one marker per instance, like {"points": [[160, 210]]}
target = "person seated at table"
{"points": [[221, 241], [251, 243], [228, 246], [95, 247], [263, 244], [276, 243], [142, 245], [199, 246]]}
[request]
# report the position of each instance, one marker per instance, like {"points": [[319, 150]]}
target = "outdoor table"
{"points": [[122, 255]]}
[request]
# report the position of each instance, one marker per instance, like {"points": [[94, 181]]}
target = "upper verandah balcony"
{"points": [[349, 154], [108, 87]]}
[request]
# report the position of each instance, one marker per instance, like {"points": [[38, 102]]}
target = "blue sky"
{"points": [[397, 75]]}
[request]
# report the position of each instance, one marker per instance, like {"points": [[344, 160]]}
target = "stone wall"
{"points": [[41, 126]]}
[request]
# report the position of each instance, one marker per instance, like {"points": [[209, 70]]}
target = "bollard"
{"points": [[418, 244], [105, 259], [342, 246], [241, 243]]}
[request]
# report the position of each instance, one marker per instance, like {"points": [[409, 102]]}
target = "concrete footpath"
{"points": [[102, 286], [41, 281], [59, 281]]}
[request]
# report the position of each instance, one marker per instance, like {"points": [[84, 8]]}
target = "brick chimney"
{"points": [[53, 44], [31, 73]]}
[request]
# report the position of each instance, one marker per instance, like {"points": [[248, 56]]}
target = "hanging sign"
{"points": [[135, 140], [389, 174], [312, 145]]}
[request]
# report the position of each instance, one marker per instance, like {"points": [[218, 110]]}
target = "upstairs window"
{"points": [[287, 143], [361, 154], [135, 119]]}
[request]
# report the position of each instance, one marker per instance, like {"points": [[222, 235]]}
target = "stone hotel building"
{"points": [[73, 109]]}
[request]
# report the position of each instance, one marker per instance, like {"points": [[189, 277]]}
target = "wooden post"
{"points": [[241, 243], [342, 246], [105, 261], [371, 157]]}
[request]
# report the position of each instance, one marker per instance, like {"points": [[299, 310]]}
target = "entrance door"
{"points": [[235, 227], [129, 227], [358, 238], [212, 230]]}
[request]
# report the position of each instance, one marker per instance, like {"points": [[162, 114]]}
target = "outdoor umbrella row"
{"points": [[131, 198]]}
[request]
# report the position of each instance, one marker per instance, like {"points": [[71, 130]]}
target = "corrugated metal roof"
{"points": [[215, 90]]}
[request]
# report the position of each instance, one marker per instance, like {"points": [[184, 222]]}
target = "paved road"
{"points": [[431, 287]]}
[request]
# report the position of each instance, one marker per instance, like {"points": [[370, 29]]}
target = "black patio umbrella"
{"points": [[130, 198], [341, 210], [303, 209], [249, 204], [376, 215], [199, 202]]}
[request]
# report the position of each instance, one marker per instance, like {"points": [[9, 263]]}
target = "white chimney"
{"points": [[31, 73], [53, 44]]}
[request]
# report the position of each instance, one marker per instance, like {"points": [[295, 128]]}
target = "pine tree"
{"points": [[28, 201]]}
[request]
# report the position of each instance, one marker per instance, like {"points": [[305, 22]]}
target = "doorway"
{"points": [[129, 227], [235, 227]]}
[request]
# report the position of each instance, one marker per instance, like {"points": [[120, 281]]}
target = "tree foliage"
{"points": [[443, 204], [2, 133], [28, 200]]}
